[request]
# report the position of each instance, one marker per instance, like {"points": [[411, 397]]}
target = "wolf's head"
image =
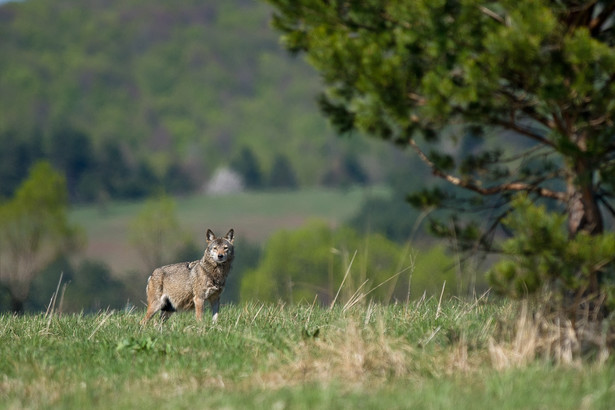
{"points": [[220, 250]]}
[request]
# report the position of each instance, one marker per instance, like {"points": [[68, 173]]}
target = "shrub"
{"points": [[316, 259], [541, 257]]}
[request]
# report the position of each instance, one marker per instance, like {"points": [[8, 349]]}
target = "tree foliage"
{"points": [[248, 166], [34, 228], [390, 214], [496, 98], [316, 260], [344, 170], [87, 287], [282, 174], [171, 87], [541, 256], [156, 234]]}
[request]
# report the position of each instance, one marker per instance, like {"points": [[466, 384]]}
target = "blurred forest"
{"points": [[131, 100]]}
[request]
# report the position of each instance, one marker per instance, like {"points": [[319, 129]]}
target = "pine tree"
{"points": [[282, 173], [497, 98]]}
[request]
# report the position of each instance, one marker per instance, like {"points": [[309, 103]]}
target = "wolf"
{"points": [[187, 285]]}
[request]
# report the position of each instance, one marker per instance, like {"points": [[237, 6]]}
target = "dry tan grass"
{"points": [[354, 354], [362, 354], [550, 337]]}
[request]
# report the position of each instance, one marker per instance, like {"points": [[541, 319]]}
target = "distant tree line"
{"points": [[92, 173], [343, 170], [112, 171]]}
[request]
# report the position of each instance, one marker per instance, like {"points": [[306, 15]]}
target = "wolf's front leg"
{"points": [[215, 306], [198, 307]]}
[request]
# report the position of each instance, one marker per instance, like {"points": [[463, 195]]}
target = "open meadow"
{"points": [[426, 354], [254, 215]]}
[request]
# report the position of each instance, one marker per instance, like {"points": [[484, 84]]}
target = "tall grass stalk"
{"points": [[343, 280]]}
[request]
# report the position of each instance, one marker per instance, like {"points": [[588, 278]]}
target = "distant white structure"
{"points": [[224, 181]]}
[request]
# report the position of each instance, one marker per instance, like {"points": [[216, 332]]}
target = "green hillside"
{"points": [[130, 96]]}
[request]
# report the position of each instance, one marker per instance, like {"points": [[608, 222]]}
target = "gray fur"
{"points": [[187, 285]]}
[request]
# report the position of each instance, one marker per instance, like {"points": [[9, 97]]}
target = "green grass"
{"points": [[254, 215], [420, 355]]}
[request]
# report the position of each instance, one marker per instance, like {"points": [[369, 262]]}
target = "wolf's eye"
{"points": [[225, 247]]}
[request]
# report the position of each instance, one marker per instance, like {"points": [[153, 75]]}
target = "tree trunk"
{"points": [[583, 210], [584, 216]]}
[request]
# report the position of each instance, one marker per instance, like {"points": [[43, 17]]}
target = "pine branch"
{"points": [[526, 132], [597, 23], [494, 190], [526, 108], [493, 15]]}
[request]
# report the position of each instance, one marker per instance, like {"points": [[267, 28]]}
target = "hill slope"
{"points": [[188, 83]]}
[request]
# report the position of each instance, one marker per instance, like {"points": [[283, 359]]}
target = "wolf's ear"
{"points": [[210, 236], [230, 236]]}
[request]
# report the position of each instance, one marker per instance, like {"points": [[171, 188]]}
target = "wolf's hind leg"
{"points": [[163, 305], [152, 308]]}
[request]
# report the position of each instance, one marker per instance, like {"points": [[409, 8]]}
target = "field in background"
{"points": [[454, 354], [254, 215]]}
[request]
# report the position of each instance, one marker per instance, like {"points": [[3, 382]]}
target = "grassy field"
{"points": [[456, 354], [254, 215]]}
